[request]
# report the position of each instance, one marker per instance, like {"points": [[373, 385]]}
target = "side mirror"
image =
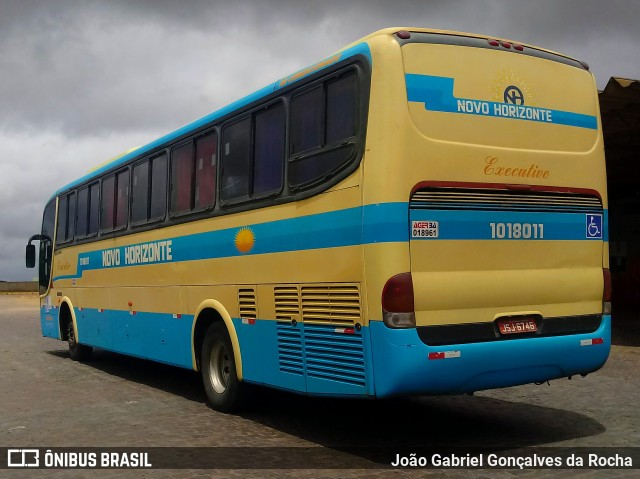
{"points": [[31, 256]]}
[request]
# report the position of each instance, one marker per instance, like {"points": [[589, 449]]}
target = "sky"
{"points": [[82, 81]]}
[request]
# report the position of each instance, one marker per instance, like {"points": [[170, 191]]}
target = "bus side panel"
{"points": [[93, 318], [161, 337], [49, 318], [157, 336]]}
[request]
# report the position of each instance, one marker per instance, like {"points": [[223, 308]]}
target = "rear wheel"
{"points": [[224, 391], [77, 352]]}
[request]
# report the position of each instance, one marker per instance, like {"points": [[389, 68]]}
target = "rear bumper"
{"points": [[402, 364]]}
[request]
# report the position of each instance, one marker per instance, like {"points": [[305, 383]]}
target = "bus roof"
{"points": [[358, 47]]}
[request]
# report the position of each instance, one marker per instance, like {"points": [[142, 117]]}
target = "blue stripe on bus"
{"points": [[353, 226], [477, 225], [370, 224], [360, 49], [436, 93]]}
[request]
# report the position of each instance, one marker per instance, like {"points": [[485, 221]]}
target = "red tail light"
{"points": [[397, 295], [397, 302]]}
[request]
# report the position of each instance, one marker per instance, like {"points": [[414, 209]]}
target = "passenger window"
{"points": [[61, 232], [206, 150], [122, 199], [323, 130], [158, 188], [341, 107], [269, 150], [140, 193], [236, 160], [94, 209], [307, 120], [107, 204], [66, 218], [182, 179], [83, 211], [71, 217]]}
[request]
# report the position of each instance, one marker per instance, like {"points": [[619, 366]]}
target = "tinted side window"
{"points": [[83, 211], [140, 193], [307, 120], [122, 199], [321, 147], [269, 150], [107, 204], [236, 160], [206, 150], [182, 179], [341, 107], [158, 188], [61, 232], [71, 217], [66, 218], [94, 208]]}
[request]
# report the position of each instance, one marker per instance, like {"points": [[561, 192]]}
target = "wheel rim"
{"points": [[219, 367], [72, 337]]}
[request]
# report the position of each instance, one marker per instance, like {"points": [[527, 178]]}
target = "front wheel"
{"points": [[77, 352], [224, 391]]}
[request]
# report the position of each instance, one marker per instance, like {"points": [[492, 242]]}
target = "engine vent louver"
{"points": [[247, 303], [287, 302], [290, 354], [319, 303], [323, 352], [318, 334], [497, 200], [335, 304], [333, 355]]}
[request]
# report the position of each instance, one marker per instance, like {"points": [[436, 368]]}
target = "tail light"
{"points": [[397, 302], [606, 293]]}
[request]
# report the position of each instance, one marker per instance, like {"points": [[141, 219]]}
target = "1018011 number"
{"points": [[517, 230]]}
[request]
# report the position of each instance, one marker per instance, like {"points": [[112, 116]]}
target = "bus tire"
{"points": [[224, 391], [77, 351]]}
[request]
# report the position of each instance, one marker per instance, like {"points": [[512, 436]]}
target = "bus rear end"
{"points": [[498, 275]]}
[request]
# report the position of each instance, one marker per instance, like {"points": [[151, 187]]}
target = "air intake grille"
{"points": [[290, 353], [490, 199], [247, 303], [333, 355], [336, 304], [287, 302]]}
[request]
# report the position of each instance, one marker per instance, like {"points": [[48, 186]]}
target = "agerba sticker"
{"points": [[424, 229]]}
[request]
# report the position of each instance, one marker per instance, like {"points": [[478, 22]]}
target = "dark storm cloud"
{"points": [[85, 67], [90, 67]]}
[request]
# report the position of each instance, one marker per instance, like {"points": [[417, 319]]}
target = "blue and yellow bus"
{"points": [[423, 212]]}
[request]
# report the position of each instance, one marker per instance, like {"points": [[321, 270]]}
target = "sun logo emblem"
{"points": [[245, 239]]}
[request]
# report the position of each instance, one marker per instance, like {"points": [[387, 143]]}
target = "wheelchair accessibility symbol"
{"points": [[594, 226]]}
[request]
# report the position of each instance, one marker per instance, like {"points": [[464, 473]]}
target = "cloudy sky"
{"points": [[81, 81]]}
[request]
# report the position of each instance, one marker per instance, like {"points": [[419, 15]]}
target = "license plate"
{"points": [[517, 326]]}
